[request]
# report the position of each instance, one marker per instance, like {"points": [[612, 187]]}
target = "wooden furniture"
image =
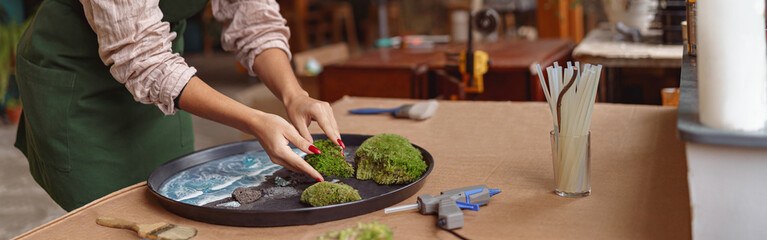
{"points": [[313, 19], [381, 73], [417, 73], [634, 72], [670, 97], [638, 175], [560, 19], [343, 21]]}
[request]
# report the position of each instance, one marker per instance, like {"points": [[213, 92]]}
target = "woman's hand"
{"points": [[302, 109], [274, 134], [274, 70]]}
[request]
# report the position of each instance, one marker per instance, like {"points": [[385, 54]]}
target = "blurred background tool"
{"points": [[418, 111], [474, 64]]}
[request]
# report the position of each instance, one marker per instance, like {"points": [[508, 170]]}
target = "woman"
{"points": [[85, 135]]}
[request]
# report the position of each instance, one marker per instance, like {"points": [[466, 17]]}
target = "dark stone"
{"points": [[246, 195]]}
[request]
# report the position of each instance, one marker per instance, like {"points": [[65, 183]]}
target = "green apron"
{"points": [[81, 131]]}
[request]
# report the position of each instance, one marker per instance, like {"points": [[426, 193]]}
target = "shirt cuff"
{"points": [[182, 77]]}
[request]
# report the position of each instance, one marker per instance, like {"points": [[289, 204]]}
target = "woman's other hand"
{"points": [[274, 70], [302, 109]]}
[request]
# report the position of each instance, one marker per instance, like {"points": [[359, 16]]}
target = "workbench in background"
{"points": [[634, 72], [638, 175], [413, 73]]}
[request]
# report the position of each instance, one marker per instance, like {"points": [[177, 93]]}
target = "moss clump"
{"points": [[389, 159], [331, 161], [370, 231], [327, 193]]}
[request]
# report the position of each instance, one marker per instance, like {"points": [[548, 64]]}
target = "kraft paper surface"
{"points": [[638, 175]]}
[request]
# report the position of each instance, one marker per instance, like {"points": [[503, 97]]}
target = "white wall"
{"points": [[728, 191]]}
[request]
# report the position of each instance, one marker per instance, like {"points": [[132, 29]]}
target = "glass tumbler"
{"points": [[571, 155]]}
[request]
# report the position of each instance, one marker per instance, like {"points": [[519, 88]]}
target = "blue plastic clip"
{"points": [[463, 205], [494, 191]]}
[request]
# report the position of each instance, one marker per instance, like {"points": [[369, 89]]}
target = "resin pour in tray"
{"points": [[199, 186], [217, 179]]}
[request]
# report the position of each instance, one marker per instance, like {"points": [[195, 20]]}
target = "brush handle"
{"points": [[374, 110], [116, 223]]}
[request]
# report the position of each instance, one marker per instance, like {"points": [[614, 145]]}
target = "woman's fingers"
{"points": [[292, 160], [275, 134], [284, 164], [300, 142], [333, 123], [297, 164], [303, 109], [329, 130], [326, 120], [301, 124]]}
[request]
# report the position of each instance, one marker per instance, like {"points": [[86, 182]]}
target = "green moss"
{"points": [[389, 159], [369, 231], [327, 193], [331, 161]]}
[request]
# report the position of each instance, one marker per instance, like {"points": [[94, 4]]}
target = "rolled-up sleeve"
{"points": [[253, 26], [136, 43]]}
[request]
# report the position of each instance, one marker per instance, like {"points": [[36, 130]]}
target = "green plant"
{"points": [[331, 161], [13, 103], [363, 231], [10, 34], [327, 193], [389, 159]]}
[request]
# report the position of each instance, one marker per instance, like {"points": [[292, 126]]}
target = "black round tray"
{"points": [[283, 217]]}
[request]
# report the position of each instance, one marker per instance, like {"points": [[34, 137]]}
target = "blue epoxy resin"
{"points": [[217, 179]]}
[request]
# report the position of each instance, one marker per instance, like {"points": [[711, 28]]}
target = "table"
{"points": [[634, 72], [638, 178], [411, 73]]}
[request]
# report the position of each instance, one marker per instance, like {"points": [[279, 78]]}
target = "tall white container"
{"points": [[732, 64]]}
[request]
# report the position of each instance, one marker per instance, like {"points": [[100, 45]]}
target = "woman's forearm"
{"points": [[200, 99], [274, 70]]}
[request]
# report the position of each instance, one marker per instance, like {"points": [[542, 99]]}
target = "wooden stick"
{"points": [[559, 101], [160, 230]]}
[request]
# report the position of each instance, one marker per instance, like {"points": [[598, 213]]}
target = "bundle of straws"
{"points": [[571, 93]]}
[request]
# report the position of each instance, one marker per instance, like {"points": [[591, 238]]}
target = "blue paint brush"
{"points": [[418, 111]]}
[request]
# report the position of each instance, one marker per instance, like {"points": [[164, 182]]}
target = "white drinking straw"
{"points": [[571, 109]]}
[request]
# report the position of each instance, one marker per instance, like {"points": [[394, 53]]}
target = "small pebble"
{"points": [[246, 195], [281, 181]]}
